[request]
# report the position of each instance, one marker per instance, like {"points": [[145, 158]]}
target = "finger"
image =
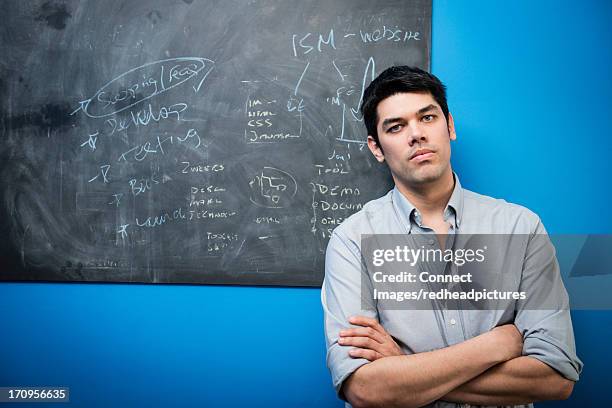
{"points": [[367, 321], [364, 353], [361, 342], [363, 332]]}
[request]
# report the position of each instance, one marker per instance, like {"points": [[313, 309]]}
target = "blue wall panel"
{"points": [[530, 90]]}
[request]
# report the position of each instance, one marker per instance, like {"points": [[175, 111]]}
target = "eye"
{"points": [[394, 128], [428, 118]]}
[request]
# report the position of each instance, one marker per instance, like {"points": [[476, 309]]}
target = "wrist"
{"points": [[493, 346]]}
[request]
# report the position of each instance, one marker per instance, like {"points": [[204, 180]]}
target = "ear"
{"points": [[451, 127], [375, 149]]}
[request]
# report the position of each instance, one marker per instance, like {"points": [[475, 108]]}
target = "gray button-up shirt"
{"points": [[547, 334]]}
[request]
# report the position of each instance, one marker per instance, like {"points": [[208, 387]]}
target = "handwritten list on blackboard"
{"points": [[190, 142]]}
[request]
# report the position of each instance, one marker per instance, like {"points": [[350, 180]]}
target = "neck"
{"points": [[430, 198]]}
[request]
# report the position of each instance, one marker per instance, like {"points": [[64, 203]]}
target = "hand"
{"points": [[371, 341], [509, 341]]}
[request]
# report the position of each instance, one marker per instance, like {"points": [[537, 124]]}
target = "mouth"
{"points": [[421, 155]]}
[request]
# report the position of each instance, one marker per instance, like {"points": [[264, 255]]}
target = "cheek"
{"points": [[395, 153], [445, 146], [445, 153]]}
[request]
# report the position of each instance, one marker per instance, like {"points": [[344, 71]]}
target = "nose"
{"points": [[417, 134]]}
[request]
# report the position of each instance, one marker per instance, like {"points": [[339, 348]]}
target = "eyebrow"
{"points": [[389, 121], [428, 108]]}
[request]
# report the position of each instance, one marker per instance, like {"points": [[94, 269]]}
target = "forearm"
{"points": [[521, 380], [418, 379]]}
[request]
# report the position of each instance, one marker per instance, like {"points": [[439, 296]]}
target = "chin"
{"points": [[426, 175]]}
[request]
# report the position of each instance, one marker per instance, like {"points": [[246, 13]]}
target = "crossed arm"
{"points": [[485, 370]]}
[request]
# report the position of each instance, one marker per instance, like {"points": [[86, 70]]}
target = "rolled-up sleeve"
{"points": [[544, 316], [341, 297]]}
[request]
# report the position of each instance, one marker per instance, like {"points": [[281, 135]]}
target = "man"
{"points": [[443, 357]]}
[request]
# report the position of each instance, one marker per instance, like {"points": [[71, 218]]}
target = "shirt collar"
{"points": [[454, 208], [456, 201]]}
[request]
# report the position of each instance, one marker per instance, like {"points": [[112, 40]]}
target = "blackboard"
{"points": [[189, 141]]}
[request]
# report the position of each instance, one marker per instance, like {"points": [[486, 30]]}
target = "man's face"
{"points": [[414, 137]]}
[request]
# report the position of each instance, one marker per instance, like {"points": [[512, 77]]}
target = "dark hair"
{"points": [[399, 79]]}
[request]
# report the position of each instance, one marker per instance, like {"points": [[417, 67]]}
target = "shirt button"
{"points": [[431, 242], [453, 321]]}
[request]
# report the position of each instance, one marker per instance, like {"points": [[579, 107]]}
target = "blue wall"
{"points": [[530, 89]]}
